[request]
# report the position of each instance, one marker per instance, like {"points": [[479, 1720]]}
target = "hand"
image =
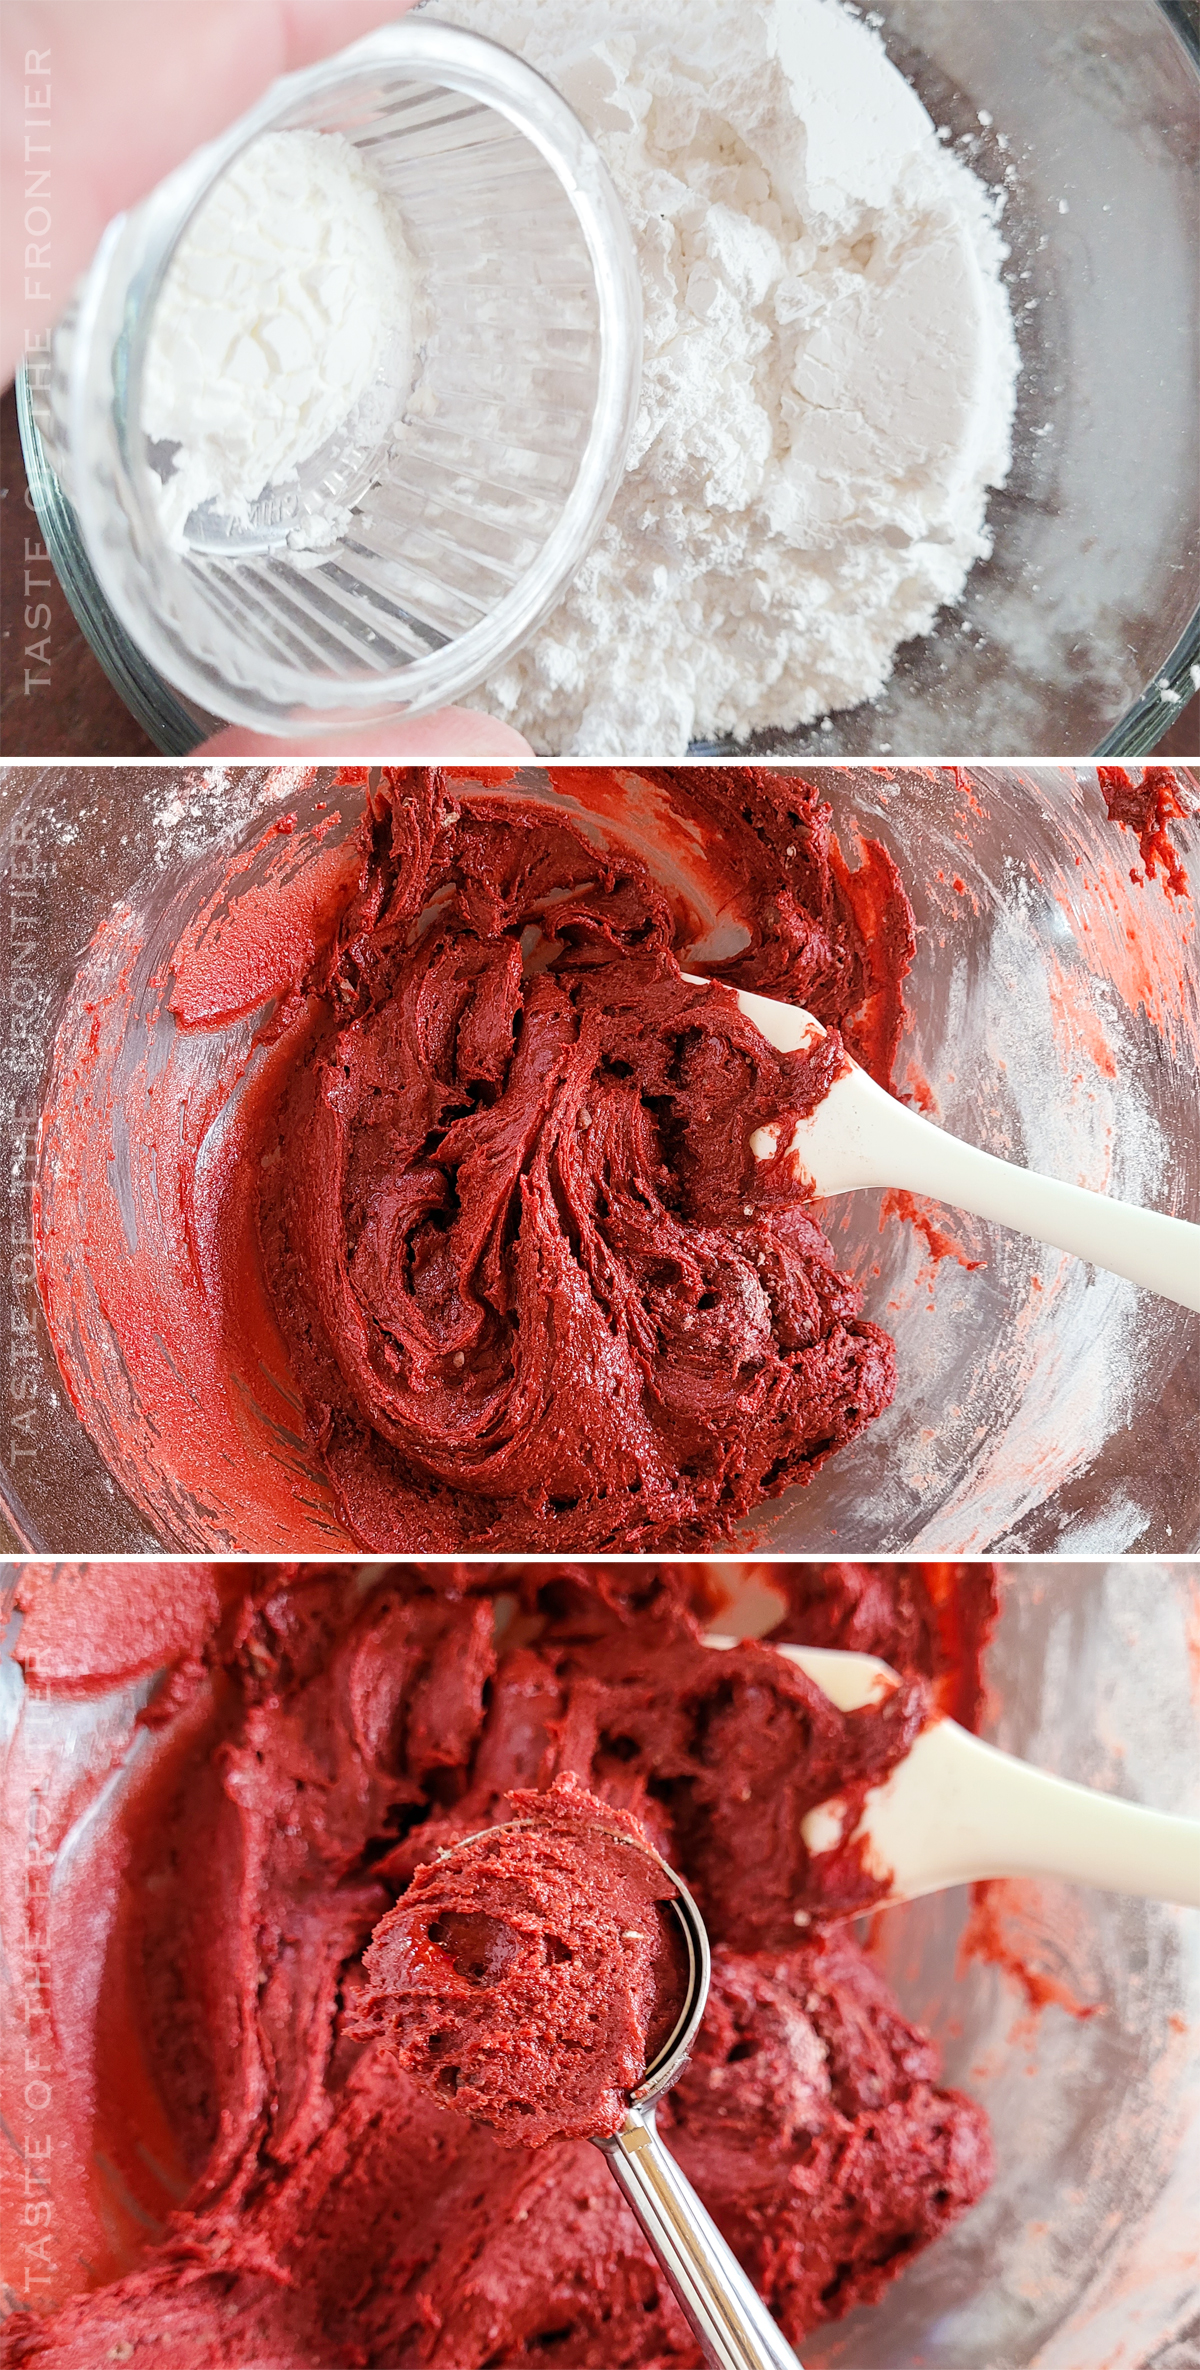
{"points": [[133, 87], [455, 734]]}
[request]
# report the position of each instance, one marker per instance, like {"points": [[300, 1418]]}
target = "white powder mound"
{"points": [[289, 293], [829, 375]]}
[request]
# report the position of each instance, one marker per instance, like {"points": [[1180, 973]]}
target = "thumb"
{"points": [[449, 733]]}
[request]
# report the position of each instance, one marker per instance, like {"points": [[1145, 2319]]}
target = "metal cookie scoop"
{"points": [[725, 2313], [729, 2320]]}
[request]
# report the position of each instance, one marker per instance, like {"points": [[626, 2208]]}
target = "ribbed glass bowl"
{"points": [[470, 509], [1080, 632]]}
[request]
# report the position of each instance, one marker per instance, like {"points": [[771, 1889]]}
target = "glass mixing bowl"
{"points": [[470, 508], [1054, 1021], [1081, 631], [1082, 2252]]}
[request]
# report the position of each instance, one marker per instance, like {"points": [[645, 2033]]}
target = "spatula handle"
{"points": [[892, 1146], [967, 1811]]}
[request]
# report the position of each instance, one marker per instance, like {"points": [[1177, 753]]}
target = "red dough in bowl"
{"points": [[241, 2170], [536, 1290], [529, 1974], [395, 1187]]}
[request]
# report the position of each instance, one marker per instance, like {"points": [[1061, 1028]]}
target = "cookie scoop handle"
{"points": [[725, 2313]]}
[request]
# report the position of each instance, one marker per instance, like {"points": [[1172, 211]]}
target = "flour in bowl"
{"points": [[289, 301], [829, 377]]}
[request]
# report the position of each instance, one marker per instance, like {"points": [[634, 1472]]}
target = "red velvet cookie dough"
{"points": [[932, 1618], [1148, 808], [527, 1975], [339, 1728], [536, 1291], [809, 2116]]}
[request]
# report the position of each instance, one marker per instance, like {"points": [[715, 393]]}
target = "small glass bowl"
{"points": [[468, 517]]}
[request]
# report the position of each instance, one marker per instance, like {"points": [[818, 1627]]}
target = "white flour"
{"points": [[285, 299], [829, 376]]}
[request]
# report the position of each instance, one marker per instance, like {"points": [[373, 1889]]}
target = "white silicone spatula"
{"points": [[955, 1810], [859, 1135]]}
